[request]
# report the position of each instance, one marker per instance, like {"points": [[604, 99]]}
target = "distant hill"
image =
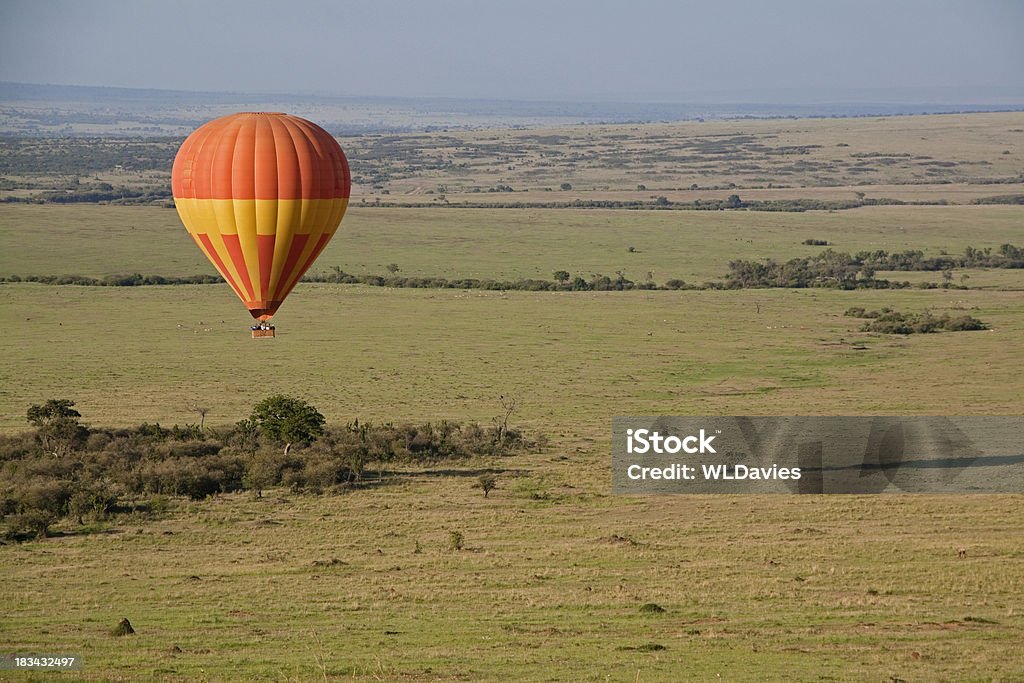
{"points": [[28, 109]]}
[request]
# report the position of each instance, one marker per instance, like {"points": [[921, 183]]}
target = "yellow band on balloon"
{"points": [[252, 242]]}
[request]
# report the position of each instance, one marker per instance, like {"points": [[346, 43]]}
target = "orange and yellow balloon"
{"points": [[261, 194]]}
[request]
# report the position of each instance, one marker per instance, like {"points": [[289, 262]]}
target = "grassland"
{"points": [[555, 569], [548, 588], [907, 157], [503, 243], [573, 359], [950, 158]]}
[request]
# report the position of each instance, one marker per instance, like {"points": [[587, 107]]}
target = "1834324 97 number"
{"points": [[39, 661]]}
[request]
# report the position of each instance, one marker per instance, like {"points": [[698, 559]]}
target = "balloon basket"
{"points": [[263, 332]]}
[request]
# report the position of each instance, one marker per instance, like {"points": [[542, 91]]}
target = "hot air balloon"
{"points": [[261, 193]]}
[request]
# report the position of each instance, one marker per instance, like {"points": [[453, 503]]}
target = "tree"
{"points": [[733, 202], [201, 411], [566, 186], [58, 429], [487, 482], [53, 409], [287, 420], [508, 406], [561, 275], [393, 268]]}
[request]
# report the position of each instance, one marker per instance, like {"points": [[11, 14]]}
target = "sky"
{"points": [[520, 49]]}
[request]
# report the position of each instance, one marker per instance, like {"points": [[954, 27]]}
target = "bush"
{"points": [[267, 468], [888, 321], [97, 500], [36, 489], [193, 477], [18, 446], [50, 496], [28, 525], [963, 323]]}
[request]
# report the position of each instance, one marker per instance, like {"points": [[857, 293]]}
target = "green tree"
{"points": [[287, 420], [53, 409], [566, 186], [561, 275], [733, 202], [58, 429]]}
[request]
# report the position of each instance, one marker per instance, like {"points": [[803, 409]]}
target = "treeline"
{"points": [[830, 268], [120, 195], [1006, 256], [1001, 199], [63, 469], [563, 282], [128, 280], [129, 195], [840, 270], [665, 204], [888, 321], [72, 155]]}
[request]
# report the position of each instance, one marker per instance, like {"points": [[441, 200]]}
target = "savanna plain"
{"points": [[412, 573]]}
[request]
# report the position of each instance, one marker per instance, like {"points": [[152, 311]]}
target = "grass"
{"points": [[553, 573], [572, 359], [779, 588], [506, 244]]}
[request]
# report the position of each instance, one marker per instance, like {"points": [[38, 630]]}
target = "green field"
{"points": [[572, 359], [503, 243], [549, 586]]}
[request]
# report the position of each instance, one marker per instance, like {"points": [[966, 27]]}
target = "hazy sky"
{"points": [[524, 49]]}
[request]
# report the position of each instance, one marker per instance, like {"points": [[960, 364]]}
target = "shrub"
{"points": [[193, 477], [96, 499], [964, 323], [888, 321], [264, 469], [17, 446], [28, 525], [45, 495]]}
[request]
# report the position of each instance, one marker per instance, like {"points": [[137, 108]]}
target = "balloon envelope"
{"points": [[261, 194]]}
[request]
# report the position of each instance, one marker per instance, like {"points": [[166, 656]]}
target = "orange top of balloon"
{"points": [[261, 193]]}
